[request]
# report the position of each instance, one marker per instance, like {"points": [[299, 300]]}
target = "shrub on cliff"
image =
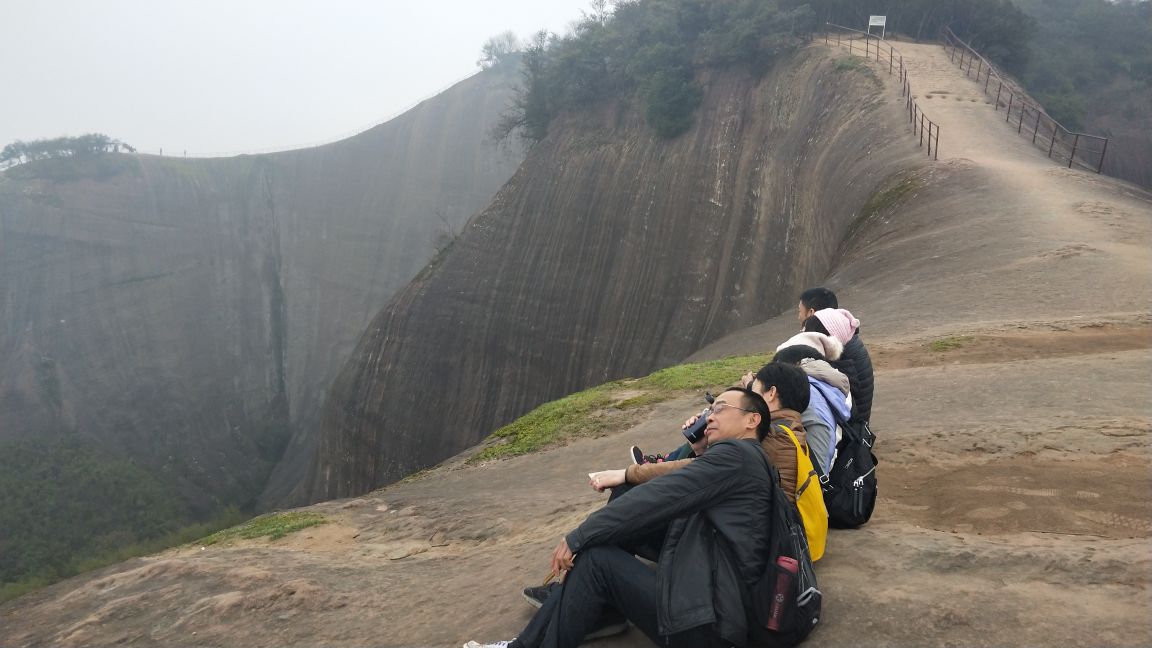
{"points": [[62, 147], [650, 49]]}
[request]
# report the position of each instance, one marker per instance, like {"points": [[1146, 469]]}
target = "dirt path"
{"points": [[1015, 457]]}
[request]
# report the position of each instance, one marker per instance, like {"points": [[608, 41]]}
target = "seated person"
{"points": [[787, 393], [820, 311], [692, 598], [830, 401]]}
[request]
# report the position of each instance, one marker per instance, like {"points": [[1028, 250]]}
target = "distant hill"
{"points": [[189, 315]]}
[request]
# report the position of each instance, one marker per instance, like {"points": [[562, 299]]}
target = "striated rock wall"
{"points": [[192, 313], [611, 253]]}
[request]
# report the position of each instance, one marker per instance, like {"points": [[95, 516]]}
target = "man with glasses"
{"points": [[716, 505]]}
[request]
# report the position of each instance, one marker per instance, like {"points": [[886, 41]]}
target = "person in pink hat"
{"points": [[819, 312]]}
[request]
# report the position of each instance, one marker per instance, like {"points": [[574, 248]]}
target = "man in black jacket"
{"points": [[717, 512], [855, 361]]}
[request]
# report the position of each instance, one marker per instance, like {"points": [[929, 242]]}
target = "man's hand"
{"points": [[562, 559], [689, 422], [606, 479], [746, 379]]}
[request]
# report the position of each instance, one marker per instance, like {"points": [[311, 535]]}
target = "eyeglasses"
{"points": [[716, 408]]}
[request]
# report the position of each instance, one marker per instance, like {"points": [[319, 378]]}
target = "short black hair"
{"points": [[814, 325], [819, 298], [757, 404], [794, 354], [791, 384]]}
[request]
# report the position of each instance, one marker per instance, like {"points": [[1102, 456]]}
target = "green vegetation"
{"points": [[1084, 50], [650, 49], [62, 147], [610, 406], [850, 63], [889, 196], [272, 525], [949, 343], [67, 508]]}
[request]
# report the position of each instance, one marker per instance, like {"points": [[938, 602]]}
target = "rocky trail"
{"points": [[1007, 306]]}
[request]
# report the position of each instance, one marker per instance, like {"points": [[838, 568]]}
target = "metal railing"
{"points": [[879, 49], [1082, 149]]}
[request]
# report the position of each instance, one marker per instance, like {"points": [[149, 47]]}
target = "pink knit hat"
{"points": [[828, 346], [839, 322]]}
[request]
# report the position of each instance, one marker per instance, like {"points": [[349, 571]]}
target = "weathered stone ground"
{"points": [[1015, 468]]}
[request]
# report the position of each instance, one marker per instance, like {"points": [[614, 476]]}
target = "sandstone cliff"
{"points": [[191, 313], [611, 253]]}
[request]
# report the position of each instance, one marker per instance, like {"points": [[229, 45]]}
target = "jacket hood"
{"points": [[825, 372], [828, 346]]}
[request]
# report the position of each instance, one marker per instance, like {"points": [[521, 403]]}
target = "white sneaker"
{"points": [[498, 644]]}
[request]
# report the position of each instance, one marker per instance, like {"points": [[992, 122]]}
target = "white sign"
{"points": [[876, 21]]}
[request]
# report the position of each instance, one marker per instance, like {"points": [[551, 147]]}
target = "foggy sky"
{"points": [[223, 77]]}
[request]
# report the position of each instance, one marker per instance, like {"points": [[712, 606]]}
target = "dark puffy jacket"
{"points": [[858, 368], [725, 495]]}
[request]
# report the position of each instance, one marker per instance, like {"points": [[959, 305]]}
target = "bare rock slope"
{"points": [[191, 314], [611, 253], [1015, 458]]}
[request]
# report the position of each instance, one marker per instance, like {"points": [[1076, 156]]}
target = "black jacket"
{"points": [[725, 495], [859, 371]]}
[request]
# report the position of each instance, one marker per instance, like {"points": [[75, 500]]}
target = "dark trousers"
{"points": [[605, 578], [602, 578]]}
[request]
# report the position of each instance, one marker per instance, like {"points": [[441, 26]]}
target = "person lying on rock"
{"points": [[692, 597], [820, 312]]}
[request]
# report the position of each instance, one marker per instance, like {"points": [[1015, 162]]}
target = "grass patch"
{"points": [[642, 400], [889, 196], [949, 343], [272, 525], [595, 410], [849, 64]]}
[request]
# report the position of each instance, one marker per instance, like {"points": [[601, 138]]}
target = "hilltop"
{"points": [[1006, 301]]}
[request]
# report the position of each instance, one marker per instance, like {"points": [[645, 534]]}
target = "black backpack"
{"points": [[850, 486], [796, 606]]}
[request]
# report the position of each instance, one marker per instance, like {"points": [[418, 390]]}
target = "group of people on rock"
{"points": [[695, 511]]}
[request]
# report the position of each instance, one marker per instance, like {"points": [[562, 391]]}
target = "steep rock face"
{"points": [[611, 253], [192, 313]]}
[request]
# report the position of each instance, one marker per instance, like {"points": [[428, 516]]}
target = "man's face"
{"points": [[728, 420], [803, 312]]}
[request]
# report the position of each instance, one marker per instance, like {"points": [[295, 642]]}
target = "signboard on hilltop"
{"points": [[877, 21]]}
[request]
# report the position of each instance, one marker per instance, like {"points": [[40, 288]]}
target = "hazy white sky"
{"points": [[213, 76]]}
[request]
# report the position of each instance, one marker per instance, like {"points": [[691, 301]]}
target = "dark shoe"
{"points": [[611, 623], [638, 457], [537, 595]]}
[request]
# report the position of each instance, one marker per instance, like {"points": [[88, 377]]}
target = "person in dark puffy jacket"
{"points": [[695, 597], [854, 362]]}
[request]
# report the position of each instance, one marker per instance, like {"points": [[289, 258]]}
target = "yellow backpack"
{"points": [[809, 498]]}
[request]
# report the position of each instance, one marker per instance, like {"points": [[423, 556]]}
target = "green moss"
{"points": [[889, 196], [713, 374], [949, 343], [272, 525], [849, 64], [600, 408], [643, 400]]}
